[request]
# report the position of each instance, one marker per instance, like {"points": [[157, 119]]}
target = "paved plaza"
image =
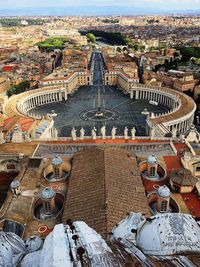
{"points": [[117, 108], [74, 112]]}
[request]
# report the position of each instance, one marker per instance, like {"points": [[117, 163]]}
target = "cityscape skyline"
{"points": [[104, 7]]}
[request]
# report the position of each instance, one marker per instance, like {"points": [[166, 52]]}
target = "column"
{"points": [[66, 94], [136, 94]]}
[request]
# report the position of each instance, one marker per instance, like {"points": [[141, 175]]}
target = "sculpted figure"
{"points": [[152, 133], [73, 133], [103, 132], [113, 132], [82, 133], [94, 134], [133, 131], [125, 133]]}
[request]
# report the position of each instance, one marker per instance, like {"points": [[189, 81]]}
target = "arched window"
{"points": [[164, 206], [57, 172], [47, 208], [152, 171]]}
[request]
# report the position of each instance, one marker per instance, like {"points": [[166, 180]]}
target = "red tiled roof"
{"points": [[192, 202], [104, 186]]}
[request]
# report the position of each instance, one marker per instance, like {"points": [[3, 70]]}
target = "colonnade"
{"points": [[179, 118], [175, 122], [40, 98], [157, 96]]}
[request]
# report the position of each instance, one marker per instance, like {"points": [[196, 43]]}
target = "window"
{"points": [[47, 208], [198, 168], [11, 167], [152, 171], [164, 206], [56, 172]]}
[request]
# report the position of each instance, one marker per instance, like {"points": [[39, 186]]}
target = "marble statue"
{"points": [[55, 133], [26, 137], [82, 133], [133, 131], [174, 132], [125, 133], [152, 133], [73, 133], [103, 132], [113, 132], [192, 135], [17, 135], [1, 138], [94, 134]]}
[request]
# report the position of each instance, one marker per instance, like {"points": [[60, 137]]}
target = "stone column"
{"points": [[65, 94], [131, 94], [136, 94]]}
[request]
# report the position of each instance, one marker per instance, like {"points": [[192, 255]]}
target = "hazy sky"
{"points": [[159, 4]]}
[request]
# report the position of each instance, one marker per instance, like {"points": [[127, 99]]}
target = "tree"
{"points": [[91, 37], [17, 89], [136, 46]]}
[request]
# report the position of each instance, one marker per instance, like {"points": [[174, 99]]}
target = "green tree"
{"points": [[19, 88], [91, 37]]}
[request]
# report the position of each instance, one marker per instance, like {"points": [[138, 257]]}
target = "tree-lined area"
{"points": [[52, 43], [14, 22], [189, 52], [114, 38], [19, 88], [110, 21]]}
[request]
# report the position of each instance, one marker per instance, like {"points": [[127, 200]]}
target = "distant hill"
{"points": [[88, 11]]}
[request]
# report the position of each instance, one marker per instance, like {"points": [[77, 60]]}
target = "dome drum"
{"points": [[48, 209], [57, 170]]}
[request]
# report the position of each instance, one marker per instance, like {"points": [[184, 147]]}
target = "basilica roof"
{"points": [[104, 186], [169, 234]]}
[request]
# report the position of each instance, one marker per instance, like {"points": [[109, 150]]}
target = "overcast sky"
{"points": [[159, 4]]}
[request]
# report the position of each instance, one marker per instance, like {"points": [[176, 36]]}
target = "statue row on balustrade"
{"points": [[103, 133]]}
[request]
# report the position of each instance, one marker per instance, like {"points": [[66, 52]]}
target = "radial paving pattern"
{"points": [[80, 109]]}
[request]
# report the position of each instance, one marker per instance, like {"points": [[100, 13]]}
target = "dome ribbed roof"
{"points": [[164, 191], [56, 161], [48, 193], [15, 183], [152, 159]]}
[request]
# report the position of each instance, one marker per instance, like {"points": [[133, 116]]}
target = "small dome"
{"points": [[164, 191], [152, 160], [56, 161], [34, 243], [15, 184], [48, 193]]}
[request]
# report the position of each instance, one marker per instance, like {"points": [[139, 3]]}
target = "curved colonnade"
{"points": [[182, 108], [21, 104], [180, 116]]}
